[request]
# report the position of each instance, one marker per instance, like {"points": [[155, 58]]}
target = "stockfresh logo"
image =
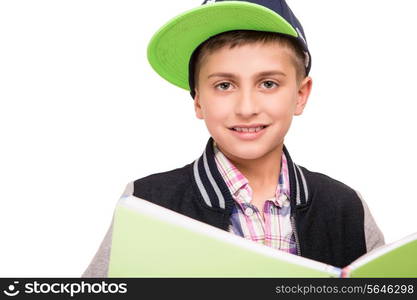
{"points": [[12, 290]]}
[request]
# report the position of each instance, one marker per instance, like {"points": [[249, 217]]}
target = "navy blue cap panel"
{"points": [[275, 5]]}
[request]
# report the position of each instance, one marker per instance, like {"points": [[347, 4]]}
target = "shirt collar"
{"points": [[215, 194], [237, 182]]}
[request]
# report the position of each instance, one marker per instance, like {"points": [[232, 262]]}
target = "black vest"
{"points": [[327, 215]]}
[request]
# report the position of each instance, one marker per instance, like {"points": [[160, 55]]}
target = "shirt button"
{"points": [[248, 211], [282, 197]]}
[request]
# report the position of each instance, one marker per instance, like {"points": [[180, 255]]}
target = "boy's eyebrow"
{"points": [[264, 73]]}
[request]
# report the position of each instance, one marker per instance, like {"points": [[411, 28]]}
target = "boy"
{"points": [[248, 65]]}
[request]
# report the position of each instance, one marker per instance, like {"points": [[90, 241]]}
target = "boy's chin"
{"points": [[244, 151]]}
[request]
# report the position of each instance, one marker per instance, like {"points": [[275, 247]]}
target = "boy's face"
{"points": [[245, 96]]}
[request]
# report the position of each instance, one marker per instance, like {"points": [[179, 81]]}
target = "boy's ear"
{"points": [[197, 105], [303, 94]]}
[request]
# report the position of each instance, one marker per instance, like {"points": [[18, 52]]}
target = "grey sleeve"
{"points": [[373, 235], [99, 265]]}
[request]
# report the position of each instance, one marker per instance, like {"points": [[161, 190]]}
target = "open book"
{"points": [[149, 240]]}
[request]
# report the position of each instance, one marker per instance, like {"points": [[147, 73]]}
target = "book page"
{"points": [[398, 259], [152, 241]]}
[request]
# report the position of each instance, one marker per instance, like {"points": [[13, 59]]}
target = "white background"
{"points": [[82, 113]]}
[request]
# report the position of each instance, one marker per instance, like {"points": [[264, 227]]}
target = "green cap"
{"points": [[170, 48]]}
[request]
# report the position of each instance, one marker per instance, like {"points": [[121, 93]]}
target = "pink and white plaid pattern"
{"points": [[246, 220]]}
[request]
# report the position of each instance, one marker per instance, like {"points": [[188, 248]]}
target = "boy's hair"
{"points": [[243, 37]]}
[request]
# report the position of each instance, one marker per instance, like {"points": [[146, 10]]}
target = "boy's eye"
{"points": [[223, 85], [269, 84]]}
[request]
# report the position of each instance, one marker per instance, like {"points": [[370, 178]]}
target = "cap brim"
{"points": [[170, 48]]}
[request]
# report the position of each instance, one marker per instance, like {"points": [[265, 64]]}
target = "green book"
{"points": [[149, 240]]}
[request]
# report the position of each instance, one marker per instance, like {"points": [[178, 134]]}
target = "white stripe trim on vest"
{"points": [[213, 182], [200, 184], [304, 183], [298, 201]]}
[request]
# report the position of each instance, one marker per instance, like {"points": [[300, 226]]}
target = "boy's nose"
{"points": [[246, 104]]}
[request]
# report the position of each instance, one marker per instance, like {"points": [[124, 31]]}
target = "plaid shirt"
{"points": [[246, 220]]}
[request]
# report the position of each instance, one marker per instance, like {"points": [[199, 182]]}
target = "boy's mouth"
{"points": [[248, 133], [248, 128]]}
